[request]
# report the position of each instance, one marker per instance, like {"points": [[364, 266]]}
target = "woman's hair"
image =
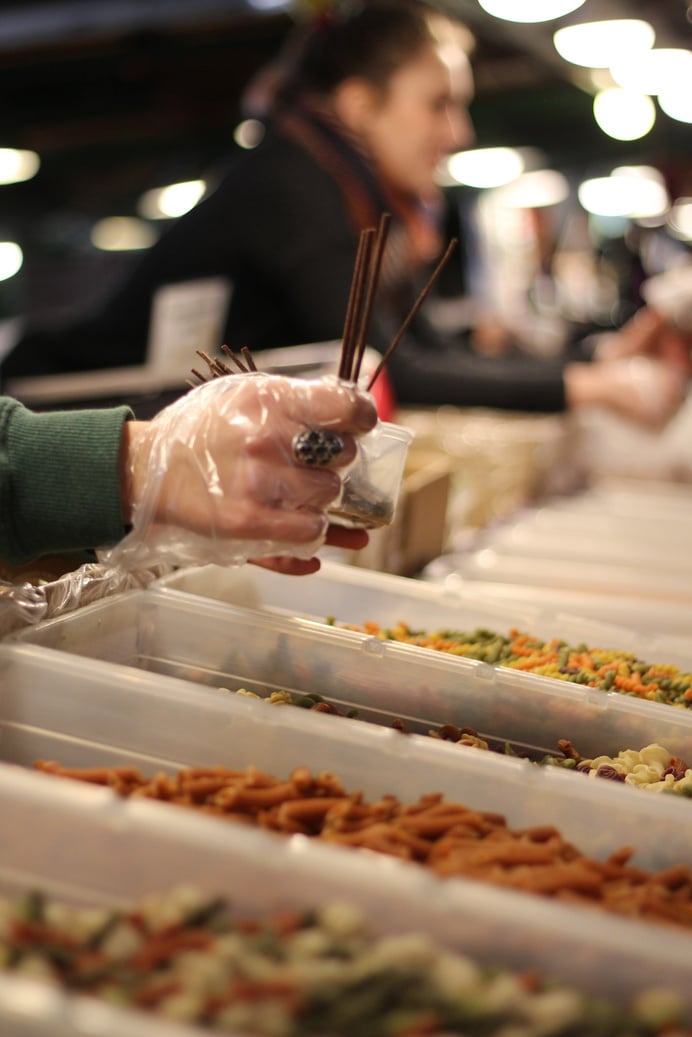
{"points": [[371, 40]]}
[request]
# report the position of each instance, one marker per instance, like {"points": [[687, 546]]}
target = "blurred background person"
{"points": [[363, 106]]}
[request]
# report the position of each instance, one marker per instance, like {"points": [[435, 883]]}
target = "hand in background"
{"points": [[649, 333]]}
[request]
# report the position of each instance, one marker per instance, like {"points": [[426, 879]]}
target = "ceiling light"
{"points": [[485, 167], [639, 173], [249, 133], [529, 10], [654, 71], [599, 44], [17, 165], [122, 234], [534, 190], [624, 114], [11, 259], [623, 195], [680, 219], [270, 5], [169, 202], [677, 103]]}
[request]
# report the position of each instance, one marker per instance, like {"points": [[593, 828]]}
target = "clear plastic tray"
{"points": [[663, 555], [635, 614], [555, 570], [353, 595], [86, 844], [226, 646]]}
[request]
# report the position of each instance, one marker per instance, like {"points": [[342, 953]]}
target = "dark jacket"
{"points": [[278, 227]]}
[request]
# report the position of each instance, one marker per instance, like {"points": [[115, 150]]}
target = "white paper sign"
{"points": [[186, 317]]}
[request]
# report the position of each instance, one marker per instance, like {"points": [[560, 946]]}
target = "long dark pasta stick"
{"points": [[413, 311], [235, 358], [355, 302], [215, 365], [373, 281], [252, 366]]}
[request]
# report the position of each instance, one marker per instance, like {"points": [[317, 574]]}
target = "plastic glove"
{"points": [[641, 388], [213, 477], [653, 333]]}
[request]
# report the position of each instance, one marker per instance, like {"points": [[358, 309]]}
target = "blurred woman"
{"points": [[368, 104]]}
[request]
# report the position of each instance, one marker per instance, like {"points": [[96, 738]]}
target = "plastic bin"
{"points": [[601, 577], [84, 843], [224, 646], [353, 595], [130, 849]]}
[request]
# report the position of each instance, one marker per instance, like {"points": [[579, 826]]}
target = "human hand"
{"points": [[337, 536], [649, 333], [213, 478], [641, 388]]}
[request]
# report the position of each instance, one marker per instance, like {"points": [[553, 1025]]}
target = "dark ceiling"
{"points": [[121, 95]]}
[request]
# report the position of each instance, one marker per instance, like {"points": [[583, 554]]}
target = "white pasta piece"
{"points": [[408, 950], [280, 698], [644, 773], [318, 973], [309, 943], [34, 966], [201, 973], [453, 974], [655, 754], [342, 920], [551, 1011], [230, 947], [121, 942], [629, 758], [184, 1007], [505, 992]]}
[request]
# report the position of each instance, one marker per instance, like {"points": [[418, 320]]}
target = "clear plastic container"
{"points": [[545, 569], [86, 844], [371, 487], [353, 595], [225, 646]]}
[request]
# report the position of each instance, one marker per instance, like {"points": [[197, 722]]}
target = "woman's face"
{"points": [[420, 119]]}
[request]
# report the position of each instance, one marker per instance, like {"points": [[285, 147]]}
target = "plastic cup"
{"points": [[372, 485]]}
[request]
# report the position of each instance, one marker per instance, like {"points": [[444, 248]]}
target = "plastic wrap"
{"points": [[214, 477], [25, 604]]}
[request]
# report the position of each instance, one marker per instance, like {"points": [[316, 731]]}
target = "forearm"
{"points": [[59, 480]]}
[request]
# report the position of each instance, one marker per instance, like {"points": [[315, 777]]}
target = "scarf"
{"points": [[414, 239]]}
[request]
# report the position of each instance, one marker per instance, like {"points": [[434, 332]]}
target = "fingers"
{"points": [[351, 539], [337, 536], [288, 565], [279, 525], [327, 404], [294, 486]]}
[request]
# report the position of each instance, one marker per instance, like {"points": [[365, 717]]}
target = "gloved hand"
{"points": [[652, 333], [642, 388], [218, 475]]}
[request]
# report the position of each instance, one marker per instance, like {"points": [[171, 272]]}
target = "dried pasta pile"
{"points": [[603, 668], [653, 768], [449, 838], [184, 956]]}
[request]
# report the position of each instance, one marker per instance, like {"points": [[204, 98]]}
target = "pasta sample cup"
{"points": [[371, 486]]}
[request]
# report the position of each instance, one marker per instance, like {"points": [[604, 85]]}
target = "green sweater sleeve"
{"points": [[59, 480]]}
